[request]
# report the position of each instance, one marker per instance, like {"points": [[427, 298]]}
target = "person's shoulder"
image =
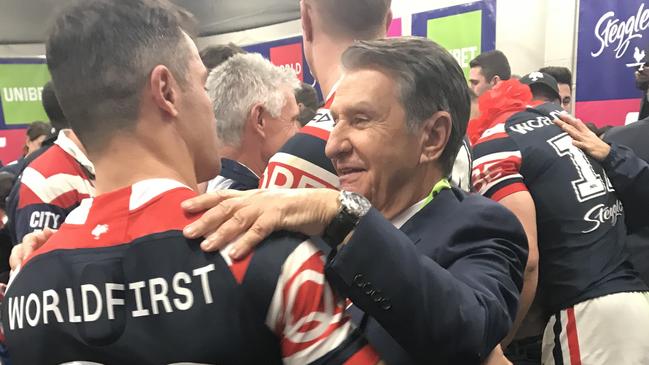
{"points": [[165, 206], [629, 129], [53, 161], [482, 210], [284, 243]]}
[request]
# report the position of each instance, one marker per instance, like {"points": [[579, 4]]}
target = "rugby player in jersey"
{"points": [[118, 283], [52, 181], [566, 202]]}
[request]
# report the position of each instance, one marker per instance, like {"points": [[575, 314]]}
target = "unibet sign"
{"points": [[460, 34], [20, 92]]}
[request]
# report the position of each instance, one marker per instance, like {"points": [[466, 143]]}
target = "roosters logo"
{"points": [[99, 230]]}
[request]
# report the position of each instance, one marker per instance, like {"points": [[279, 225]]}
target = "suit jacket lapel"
{"points": [[432, 212]]}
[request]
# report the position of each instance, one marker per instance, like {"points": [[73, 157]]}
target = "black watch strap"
{"points": [[342, 224]]}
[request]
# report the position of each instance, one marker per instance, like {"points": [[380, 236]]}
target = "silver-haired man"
{"points": [[256, 112]]}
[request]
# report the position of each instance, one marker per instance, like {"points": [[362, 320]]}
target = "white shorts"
{"points": [[609, 330]]}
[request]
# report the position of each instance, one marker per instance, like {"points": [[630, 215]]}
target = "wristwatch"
{"points": [[352, 208]]}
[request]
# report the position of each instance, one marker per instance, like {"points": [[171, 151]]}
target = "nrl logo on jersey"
{"points": [[601, 214]]}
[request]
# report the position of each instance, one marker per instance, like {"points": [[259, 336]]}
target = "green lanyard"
{"points": [[441, 185]]}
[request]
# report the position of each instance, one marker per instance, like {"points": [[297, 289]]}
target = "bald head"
{"points": [[357, 19]]}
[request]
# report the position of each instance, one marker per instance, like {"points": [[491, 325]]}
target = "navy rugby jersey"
{"points": [[580, 221], [119, 284]]}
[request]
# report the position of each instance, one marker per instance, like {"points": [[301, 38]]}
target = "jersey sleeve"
{"points": [[45, 202], [497, 162], [309, 318]]}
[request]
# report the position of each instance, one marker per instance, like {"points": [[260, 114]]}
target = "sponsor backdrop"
{"points": [[612, 43], [464, 30], [395, 29], [287, 53], [21, 83]]}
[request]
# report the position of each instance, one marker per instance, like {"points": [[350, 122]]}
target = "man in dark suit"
{"points": [[434, 274]]}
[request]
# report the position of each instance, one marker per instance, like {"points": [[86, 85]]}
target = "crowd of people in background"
{"points": [[210, 208]]}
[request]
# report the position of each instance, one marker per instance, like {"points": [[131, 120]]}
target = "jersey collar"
{"points": [[73, 150]]}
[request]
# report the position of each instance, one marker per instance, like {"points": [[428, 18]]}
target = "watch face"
{"points": [[355, 204]]}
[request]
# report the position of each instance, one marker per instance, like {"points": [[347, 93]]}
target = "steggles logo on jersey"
{"points": [[601, 214]]}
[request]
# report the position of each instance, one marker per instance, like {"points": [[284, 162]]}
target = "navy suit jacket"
{"points": [[442, 290], [242, 178]]}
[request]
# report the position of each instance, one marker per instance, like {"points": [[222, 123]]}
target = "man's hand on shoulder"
{"points": [[250, 216], [583, 138]]}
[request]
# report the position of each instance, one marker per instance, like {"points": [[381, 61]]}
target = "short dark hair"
{"points": [[359, 19], [543, 92], [100, 54], [52, 108], [429, 80], [213, 56], [562, 74], [37, 129], [307, 97], [493, 63]]}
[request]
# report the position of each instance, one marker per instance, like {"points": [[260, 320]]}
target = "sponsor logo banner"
{"points": [[12, 142], [21, 85], [612, 42], [395, 29], [290, 57], [604, 112], [464, 30], [286, 53]]}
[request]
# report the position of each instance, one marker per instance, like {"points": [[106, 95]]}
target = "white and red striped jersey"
{"points": [[118, 284], [51, 187]]}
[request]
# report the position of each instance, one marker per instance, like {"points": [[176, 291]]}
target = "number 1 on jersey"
{"points": [[590, 184]]}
